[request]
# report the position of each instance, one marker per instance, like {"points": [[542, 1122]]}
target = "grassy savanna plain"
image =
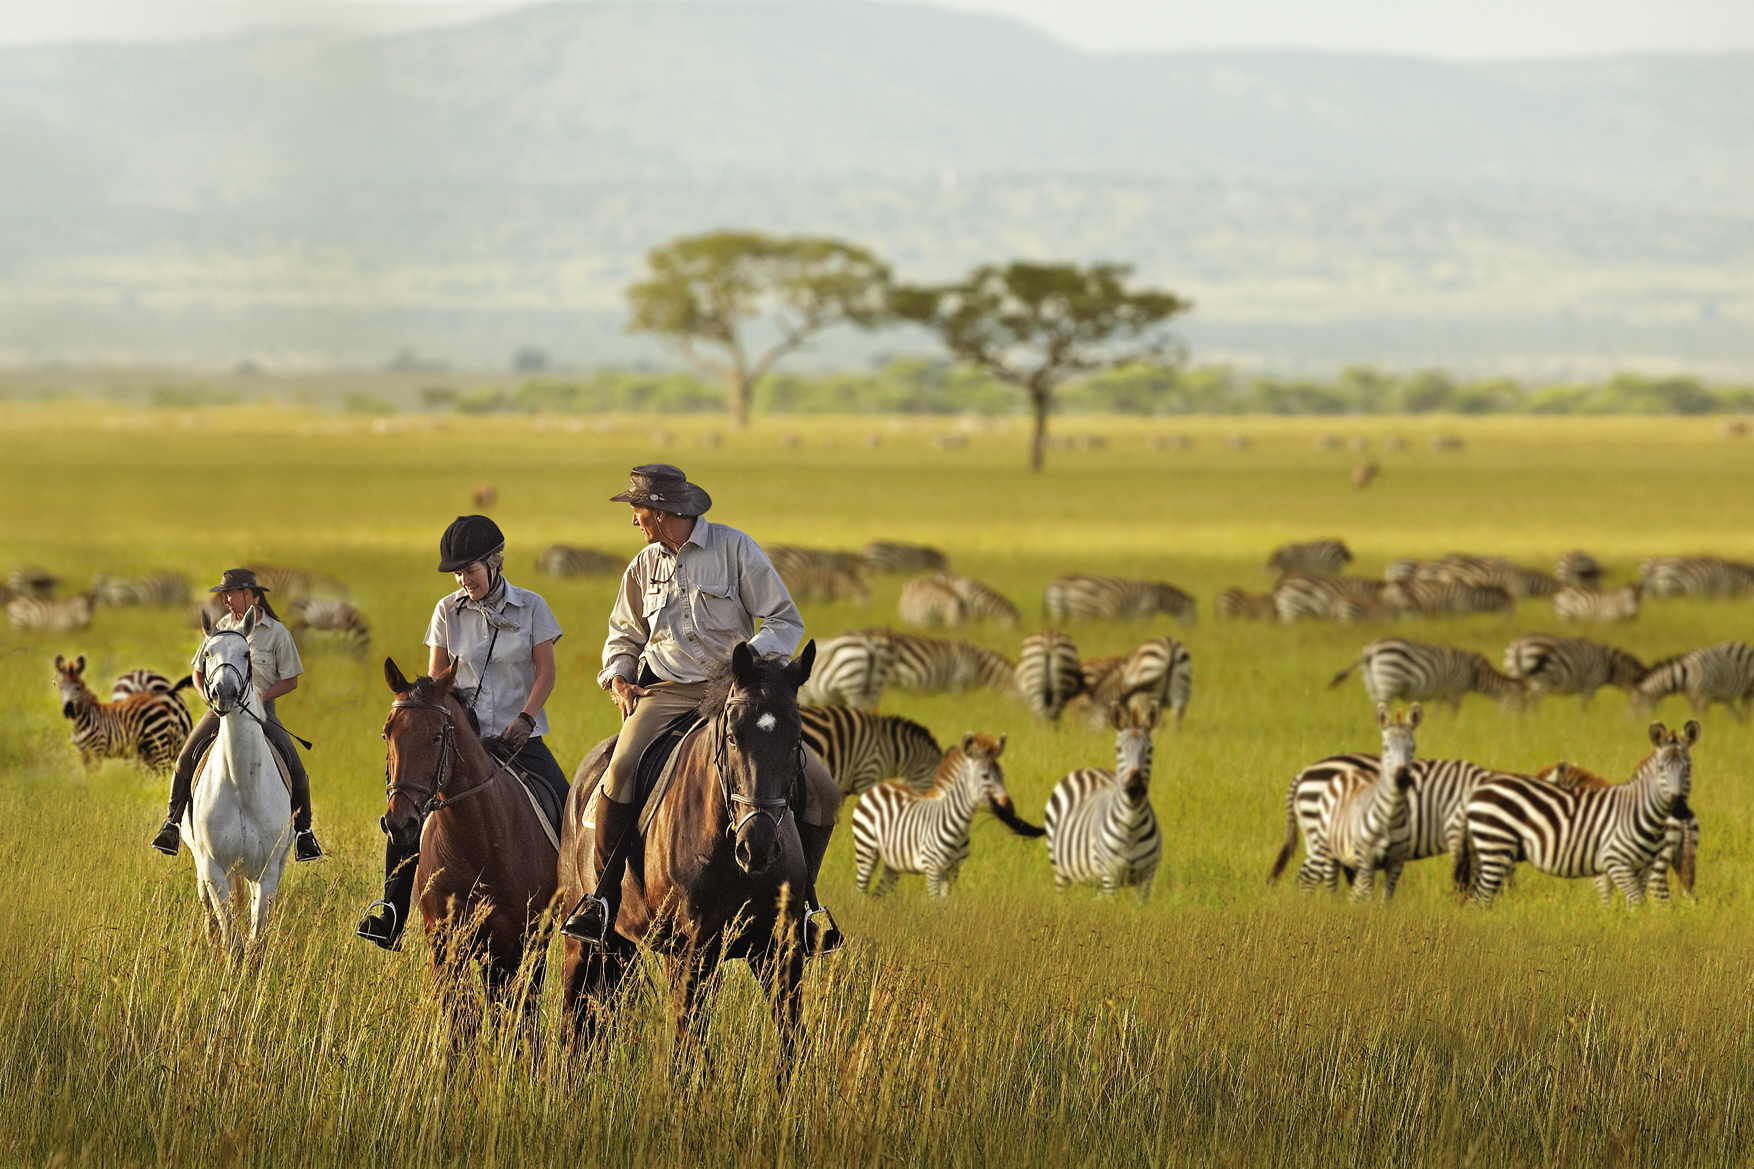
{"points": [[1222, 1022]]}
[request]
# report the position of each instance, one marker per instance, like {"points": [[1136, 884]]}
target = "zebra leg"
{"points": [[1364, 883], [1061, 881], [885, 881], [1391, 877], [866, 865], [1605, 889], [1627, 882], [1493, 868]]}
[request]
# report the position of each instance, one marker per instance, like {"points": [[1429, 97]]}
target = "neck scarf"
{"points": [[490, 605]]}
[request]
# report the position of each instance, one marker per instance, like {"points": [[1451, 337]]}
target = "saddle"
{"points": [[656, 768], [279, 764]]}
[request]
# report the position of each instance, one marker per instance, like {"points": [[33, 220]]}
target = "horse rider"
{"points": [[274, 671], [501, 640], [687, 598]]}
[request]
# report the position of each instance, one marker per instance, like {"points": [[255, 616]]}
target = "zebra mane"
{"points": [[1571, 776], [946, 773]]}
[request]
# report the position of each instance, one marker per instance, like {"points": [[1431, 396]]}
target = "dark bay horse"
{"points": [[486, 873], [719, 872]]}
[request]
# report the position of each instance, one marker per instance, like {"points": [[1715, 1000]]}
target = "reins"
{"points": [[449, 753], [248, 675]]}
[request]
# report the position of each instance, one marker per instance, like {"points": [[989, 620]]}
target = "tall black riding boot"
{"points": [[595, 914], [821, 935], [384, 920]]}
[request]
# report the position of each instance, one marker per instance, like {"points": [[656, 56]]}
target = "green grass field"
{"points": [[1224, 1022]]}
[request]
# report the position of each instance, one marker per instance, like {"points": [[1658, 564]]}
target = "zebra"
{"points": [[1078, 596], [1715, 673], [929, 665], [1579, 604], [50, 616], [789, 558], [572, 560], [1577, 831], [1315, 558], [1446, 597], [1570, 665], [1480, 571], [851, 670], [1579, 570], [892, 556], [1100, 827], [930, 601], [1328, 598], [1680, 838], [1048, 674], [31, 580], [1367, 793], [982, 602], [1397, 668], [155, 588], [338, 621], [298, 582], [1238, 605], [1695, 576], [820, 574], [863, 749], [1160, 671], [899, 831], [146, 682], [150, 727]]}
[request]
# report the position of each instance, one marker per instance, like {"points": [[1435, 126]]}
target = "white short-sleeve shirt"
{"points": [[503, 684]]}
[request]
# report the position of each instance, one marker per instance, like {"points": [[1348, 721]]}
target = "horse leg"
{"points": [[782, 971], [690, 981], [216, 890]]}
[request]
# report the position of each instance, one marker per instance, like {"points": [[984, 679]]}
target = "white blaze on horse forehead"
{"points": [[766, 722]]}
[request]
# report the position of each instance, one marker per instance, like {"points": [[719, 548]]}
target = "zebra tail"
{"points": [[1462, 875], [1278, 869], [183, 683], [1008, 816], [1344, 674]]}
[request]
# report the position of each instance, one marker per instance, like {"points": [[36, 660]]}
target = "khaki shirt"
{"points": [[501, 686], [682, 613], [273, 653]]}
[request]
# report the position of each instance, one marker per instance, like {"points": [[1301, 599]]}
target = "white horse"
{"points": [[239, 823]]}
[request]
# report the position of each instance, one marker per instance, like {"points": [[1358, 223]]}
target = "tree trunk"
{"points": [[742, 395], [1038, 442]]}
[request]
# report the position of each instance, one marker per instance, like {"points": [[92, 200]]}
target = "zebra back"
{"points": [[1315, 558], [1048, 675], [931, 665], [337, 620], [893, 556], [50, 616], [1080, 596], [862, 749], [851, 670], [931, 601], [1580, 604], [572, 560]]}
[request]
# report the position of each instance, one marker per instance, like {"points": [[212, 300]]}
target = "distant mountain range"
{"points": [[317, 197]]}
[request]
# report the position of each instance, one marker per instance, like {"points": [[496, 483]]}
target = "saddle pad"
{"points": [[652, 776], [279, 764]]}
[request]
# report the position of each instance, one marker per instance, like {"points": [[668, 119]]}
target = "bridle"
{"points": [[438, 800], [750, 806], [246, 674]]}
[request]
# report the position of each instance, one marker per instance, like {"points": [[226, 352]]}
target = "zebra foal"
{"points": [[1100, 827], [149, 727]]}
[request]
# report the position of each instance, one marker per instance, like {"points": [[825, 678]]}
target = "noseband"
{"points": [[750, 806], [247, 673], [438, 801]]}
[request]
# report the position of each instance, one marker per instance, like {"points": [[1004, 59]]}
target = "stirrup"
{"points": [[168, 844], [578, 929], [391, 940], [831, 937]]}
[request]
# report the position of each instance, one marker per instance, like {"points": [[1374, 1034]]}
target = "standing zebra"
{"points": [[851, 670], [1048, 673], [1085, 597], [1100, 827], [1315, 558], [146, 682], [1680, 838], [298, 582], [892, 556], [50, 616], [148, 727], [572, 560], [929, 665], [1715, 673], [1569, 665], [862, 749], [898, 831], [1397, 668], [339, 621], [1618, 830], [1578, 604], [155, 588], [1161, 671], [1695, 576], [1328, 598]]}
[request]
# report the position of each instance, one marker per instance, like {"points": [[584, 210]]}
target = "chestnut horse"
{"points": [[486, 873], [719, 873]]}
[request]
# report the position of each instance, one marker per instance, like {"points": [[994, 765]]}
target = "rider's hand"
{"points": [[513, 738], [625, 694]]}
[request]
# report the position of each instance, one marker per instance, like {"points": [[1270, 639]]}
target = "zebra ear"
{"points": [[1119, 717], [1382, 716], [968, 742], [79, 664], [1147, 718], [1414, 714], [1692, 729], [1000, 748], [206, 621], [393, 676], [60, 662], [1657, 731]]}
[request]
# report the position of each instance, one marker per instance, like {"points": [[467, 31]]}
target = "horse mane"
{"points": [[721, 682]]}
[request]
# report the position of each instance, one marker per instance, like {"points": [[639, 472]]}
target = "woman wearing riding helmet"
{"points": [[501, 640]]}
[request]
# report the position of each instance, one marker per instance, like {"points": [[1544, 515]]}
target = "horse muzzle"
{"points": [[757, 845]]}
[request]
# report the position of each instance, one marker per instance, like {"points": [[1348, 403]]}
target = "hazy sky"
{"points": [[1448, 28]]}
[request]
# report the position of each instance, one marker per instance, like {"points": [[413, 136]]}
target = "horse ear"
{"points": [[1657, 731], [444, 680], [743, 665], [1692, 729], [801, 668], [206, 621], [393, 675]]}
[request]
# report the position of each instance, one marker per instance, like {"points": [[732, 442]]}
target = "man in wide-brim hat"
{"points": [[690, 595]]}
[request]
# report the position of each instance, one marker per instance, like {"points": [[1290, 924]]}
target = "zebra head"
{"points": [[982, 754], [70, 683], [1133, 725], [1397, 735], [1672, 762]]}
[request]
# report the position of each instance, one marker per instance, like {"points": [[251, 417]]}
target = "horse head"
{"points": [[761, 752], [421, 751], [224, 664]]}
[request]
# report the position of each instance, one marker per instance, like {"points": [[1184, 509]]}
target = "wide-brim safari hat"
{"points": [[664, 488], [238, 578]]}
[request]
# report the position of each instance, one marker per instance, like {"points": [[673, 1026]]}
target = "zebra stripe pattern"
{"points": [[1394, 668], [1048, 674], [1576, 604], [1315, 558], [1433, 598], [863, 749], [1161, 671], [1570, 665], [1577, 831], [297, 582], [898, 831], [1680, 839], [1715, 673], [851, 670], [50, 616], [1579, 570], [155, 588], [337, 622], [1695, 576], [1100, 827], [820, 574], [572, 560], [1080, 597], [32, 580], [1479, 571], [883, 556], [145, 682], [1238, 605], [148, 727], [1328, 598], [929, 665]]}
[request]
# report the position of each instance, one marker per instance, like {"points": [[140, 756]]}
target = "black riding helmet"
{"points": [[468, 539]]}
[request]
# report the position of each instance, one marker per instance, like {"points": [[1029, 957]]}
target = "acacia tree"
{"points": [[724, 290], [1036, 325]]}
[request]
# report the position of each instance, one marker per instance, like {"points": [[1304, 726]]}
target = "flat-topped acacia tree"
{"points": [[1036, 325], [720, 290]]}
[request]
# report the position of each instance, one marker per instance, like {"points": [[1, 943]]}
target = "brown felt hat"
{"points": [[238, 578], [663, 488]]}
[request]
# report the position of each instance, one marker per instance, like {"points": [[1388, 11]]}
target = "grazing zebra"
{"points": [[1048, 674], [1315, 558], [1238, 605], [1082, 597], [1578, 831], [982, 602], [572, 560], [1161, 671], [50, 616], [1396, 668], [820, 574], [930, 601], [899, 831], [1578, 604], [1100, 827], [149, 727], [1434, 598], [892, 556], [851, 670], [1328, 598], [1579, 570], [1695, 576], [146, 682], [1366, 791], [863, 749], [929, 665], [1479, 571], [1570, 665], [155, 588], [789, 558], [31, 580], [1715, 673], [337, 621], [297, 582]]}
